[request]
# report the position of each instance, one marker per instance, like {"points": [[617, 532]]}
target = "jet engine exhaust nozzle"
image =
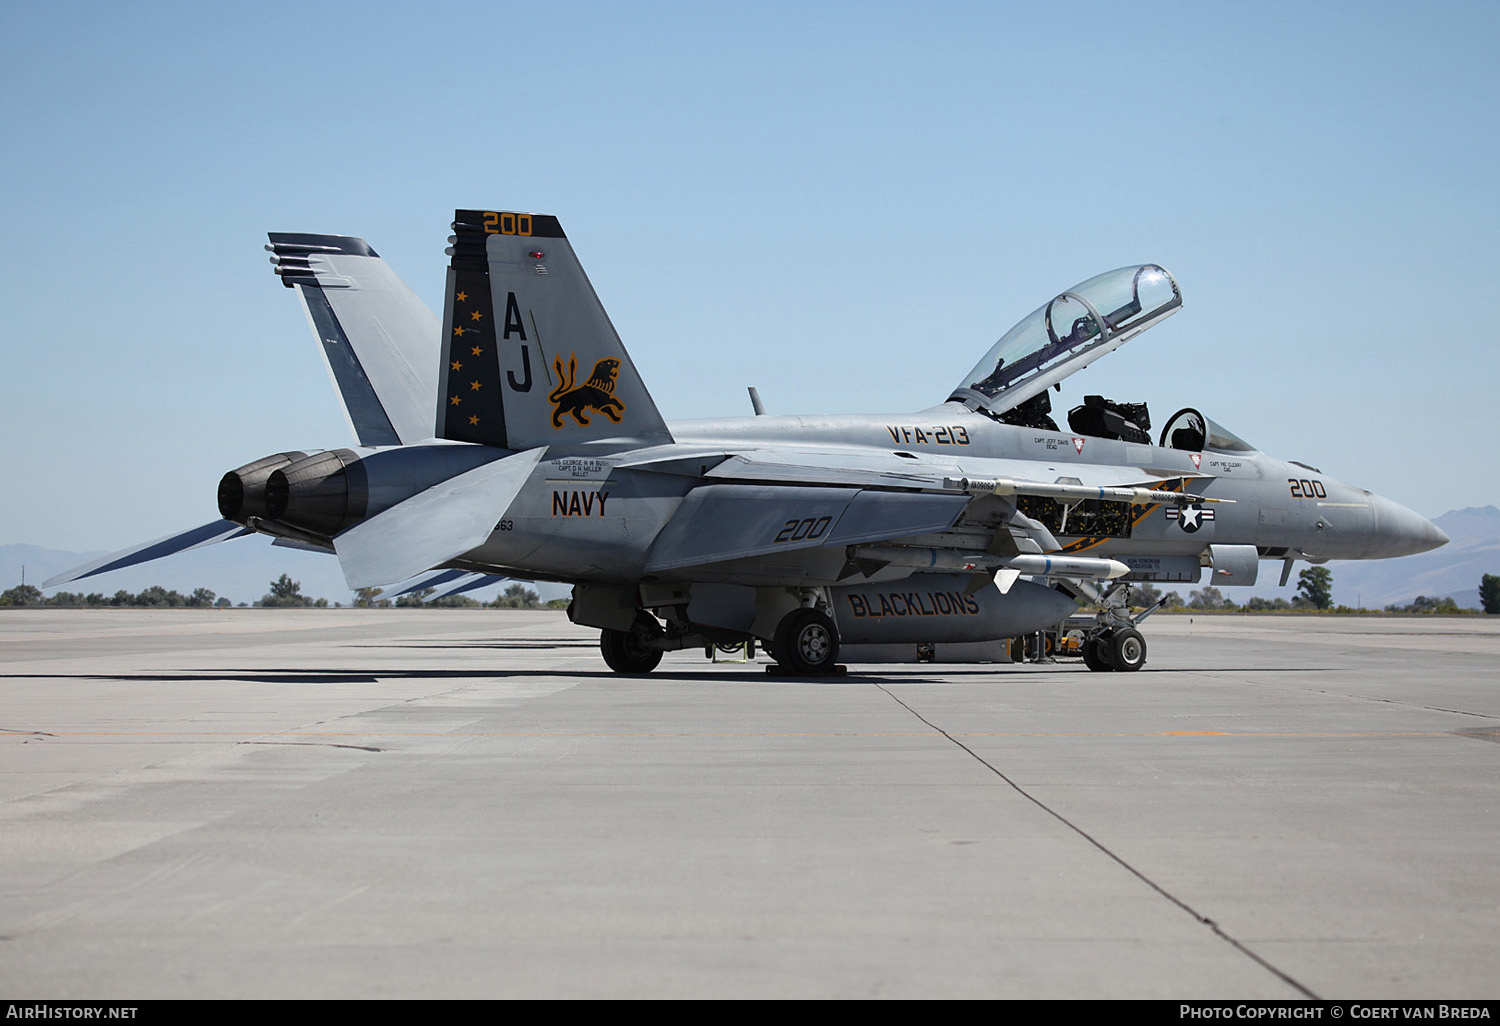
{"points": [[242, 492], [322, 494]]}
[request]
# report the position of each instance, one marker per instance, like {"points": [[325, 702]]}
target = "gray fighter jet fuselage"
{"points": [[974, 520], [593, 501]]}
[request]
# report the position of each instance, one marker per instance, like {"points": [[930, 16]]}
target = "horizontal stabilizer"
{"points": [[433, 526], [208, 534]]}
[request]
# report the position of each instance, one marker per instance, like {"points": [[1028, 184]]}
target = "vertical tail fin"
{"points": [[530, 357], [378, 340]]}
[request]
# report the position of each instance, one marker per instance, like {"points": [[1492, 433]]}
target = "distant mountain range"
{"points": [[243, 570]]}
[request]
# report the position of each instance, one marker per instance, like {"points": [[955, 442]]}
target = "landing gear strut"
{"points": [[1115, 644]]}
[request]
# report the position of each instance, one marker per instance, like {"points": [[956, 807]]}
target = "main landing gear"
{"points": [[634, 651], [806, 643]]}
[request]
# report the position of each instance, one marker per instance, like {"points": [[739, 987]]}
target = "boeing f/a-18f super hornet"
{"points": [[974, 520]]}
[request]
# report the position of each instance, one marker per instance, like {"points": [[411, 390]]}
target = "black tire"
{"points": [[1094, 654], [1127, 650], [627, 651], [807, 642]]}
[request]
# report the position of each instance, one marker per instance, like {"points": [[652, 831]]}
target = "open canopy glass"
{"points": [[1066, 334]]}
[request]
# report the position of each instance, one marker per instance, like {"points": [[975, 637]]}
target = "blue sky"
{"points": [[843, 204]]}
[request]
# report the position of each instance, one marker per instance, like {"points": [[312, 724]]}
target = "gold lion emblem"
{"points": [[596, 394]]}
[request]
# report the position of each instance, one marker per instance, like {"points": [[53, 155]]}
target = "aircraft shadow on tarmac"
{"points": [[266, 675], [517, 643], [324, 677]]}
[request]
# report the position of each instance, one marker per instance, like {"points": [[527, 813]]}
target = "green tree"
{"points": [[1427, 604], [517, 596], [285, 593], [1208, 597], [1144, 595], [1489, 593], [1315, 585], [156, 595], [22, 595]]}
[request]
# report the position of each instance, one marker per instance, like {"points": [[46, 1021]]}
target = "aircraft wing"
{"points": [[760, 502], [195, 538], [858, 468], [865, 469], [719, 522]]}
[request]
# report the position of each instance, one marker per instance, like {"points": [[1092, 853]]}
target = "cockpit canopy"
{"points": [[1065, 335], [1192, 431]]}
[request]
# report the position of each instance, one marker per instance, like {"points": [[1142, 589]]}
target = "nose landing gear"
{"points": [[1115, 644], [1123, 650]]}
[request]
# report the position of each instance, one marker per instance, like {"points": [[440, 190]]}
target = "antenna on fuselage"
{"points": [[755, 403]]}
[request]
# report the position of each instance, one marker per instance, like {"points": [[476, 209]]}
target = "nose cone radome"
{"points": [[1401, 532]]}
